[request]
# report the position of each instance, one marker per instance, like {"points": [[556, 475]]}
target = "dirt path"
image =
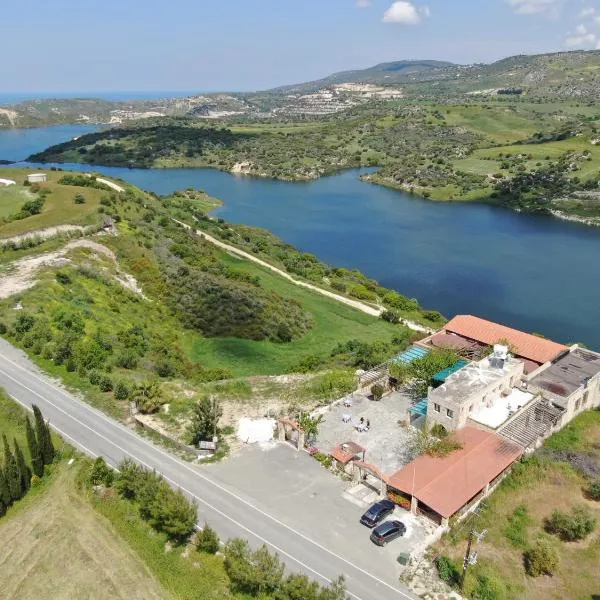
{"points": [[59, 547], [42, 233], [370, 310], [20, 274]]}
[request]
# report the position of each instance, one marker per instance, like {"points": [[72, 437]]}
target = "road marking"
{"points": [[203, 477]]}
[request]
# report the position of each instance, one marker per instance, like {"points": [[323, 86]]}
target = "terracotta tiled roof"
{"points": [[526, 345], [345, 452], [447, 484]]}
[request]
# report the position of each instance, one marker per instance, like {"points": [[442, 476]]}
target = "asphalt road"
{"points": [[229, 513]]}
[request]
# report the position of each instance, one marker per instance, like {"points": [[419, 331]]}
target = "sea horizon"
{"points": [[10, 98]]}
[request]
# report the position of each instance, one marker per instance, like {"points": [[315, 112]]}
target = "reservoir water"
{"points": [[531, 272]]}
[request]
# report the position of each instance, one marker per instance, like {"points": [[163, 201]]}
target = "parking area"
{"points": [[385, 441], [294, 488]]}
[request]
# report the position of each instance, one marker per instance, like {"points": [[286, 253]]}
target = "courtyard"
{"points": [[386, 441]]}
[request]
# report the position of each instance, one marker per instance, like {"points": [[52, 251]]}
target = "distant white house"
{"points": [[37, 177], [7, 182]]}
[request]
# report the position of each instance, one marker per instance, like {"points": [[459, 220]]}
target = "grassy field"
{"points": [[333, 322], [514, 516], [59, 208]]}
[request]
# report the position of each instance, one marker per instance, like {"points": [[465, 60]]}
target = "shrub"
{"points": [[3, 328], [35, 480], [447, 570], [541, 559], [126, 360], [63, 278], [94, 377], [105, 383], [516, 529], [122, 391], [207, 540], [101, 473], [571, 527], [79, 199], [593, 491], [390, 316], [377, 391], [164, 368], [488, 587], [324, 459]]}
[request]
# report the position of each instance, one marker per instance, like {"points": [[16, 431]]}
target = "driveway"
{"points": [[296, 489]]}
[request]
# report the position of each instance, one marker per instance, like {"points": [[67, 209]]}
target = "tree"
{"points": [[37, 460], [130, 478], [541, 559], [44, 437], [205, 420], [172, 513], [5, 500], [122, 391], [11, 472], [207, 540], [310, 425], [23, 468]]}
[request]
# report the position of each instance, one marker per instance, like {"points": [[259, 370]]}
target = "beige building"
{"points": [[482, 391]]}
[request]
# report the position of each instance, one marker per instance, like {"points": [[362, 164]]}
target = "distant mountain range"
{"points": [[550, 77]]}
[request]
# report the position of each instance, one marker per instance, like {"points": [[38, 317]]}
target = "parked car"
{"points": [[379, 511], [388, 531]]}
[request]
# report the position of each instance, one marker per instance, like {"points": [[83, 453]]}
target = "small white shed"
{"points": [[37, 177], [7, 182]]}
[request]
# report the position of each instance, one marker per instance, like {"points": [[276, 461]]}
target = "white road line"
{"points": [[199, 474]]}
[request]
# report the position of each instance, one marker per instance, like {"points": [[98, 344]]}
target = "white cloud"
{"points": [[582, 38], [405, 13], [363, 3], [535, 7], [587, 12]]}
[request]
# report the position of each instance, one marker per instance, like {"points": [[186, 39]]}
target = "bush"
{"points": [[390, 316], [105, 383], [447, 570], [593, 491], [207, 540], [101, 473], [94, 377], [79, 199], [488, 587], [3, 328], [122, 391], [126, 360], [164, 368], [63, 278], [571, 527], [377, 391], [516, 529], [35, 480], [324, 459], [541, 559]]}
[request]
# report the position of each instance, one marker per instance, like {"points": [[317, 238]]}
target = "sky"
{"points": [[243, 45]]}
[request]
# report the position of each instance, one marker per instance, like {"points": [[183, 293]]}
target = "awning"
{"points": [[420, 408], [410, 355], [442, 375]]}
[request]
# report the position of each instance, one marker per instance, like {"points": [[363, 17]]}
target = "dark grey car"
{"points": [[377, 513], [388, 531]]}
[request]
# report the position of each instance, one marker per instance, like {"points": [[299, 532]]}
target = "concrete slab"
{"points": [[296, 489], [386, 440]]}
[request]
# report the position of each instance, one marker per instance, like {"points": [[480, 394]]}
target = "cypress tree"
{"points": [[49, 451], [4, 494], [24, 470], [37, 460], [11, 471], [44, 439]]}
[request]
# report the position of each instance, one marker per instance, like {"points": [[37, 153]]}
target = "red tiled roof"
{"points": [[447, 484], [526, 345], [447, 340], [345, 452]]}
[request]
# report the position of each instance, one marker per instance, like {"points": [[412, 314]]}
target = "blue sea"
{"points": [[7, 98]]}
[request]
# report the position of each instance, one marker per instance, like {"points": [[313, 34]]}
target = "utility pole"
{"points": [[471, 557]]}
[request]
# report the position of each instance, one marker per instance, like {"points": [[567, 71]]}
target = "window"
{"points": [[437, 407], [471, 408], [578, 404], [450, 413]]}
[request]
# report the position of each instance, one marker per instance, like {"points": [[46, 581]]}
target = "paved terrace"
{"points": [[385, 439]]}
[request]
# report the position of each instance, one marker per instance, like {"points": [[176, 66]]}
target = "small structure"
{"points": [[289, 430], [345, 453], [37, 177], [442, 487], [7, 182]]}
